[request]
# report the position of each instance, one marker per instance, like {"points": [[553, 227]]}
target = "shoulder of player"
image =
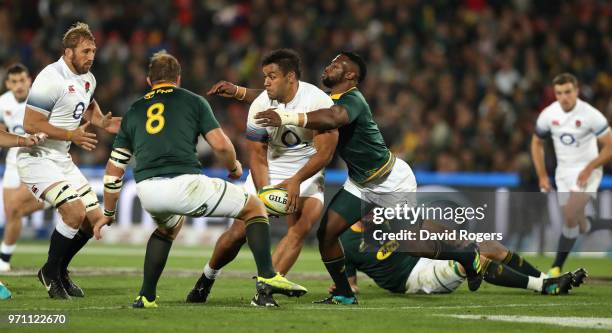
{"points": [[7, 97], [585, 106], [312, 90]]}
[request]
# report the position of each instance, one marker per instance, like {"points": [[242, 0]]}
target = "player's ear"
{"points": [[178, 81], [149, 82], [350, 76]]}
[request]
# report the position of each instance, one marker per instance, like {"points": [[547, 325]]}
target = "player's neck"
{"points": [[341, 88], [163, 84], [571, 107], [291, 95], [70, 66]]}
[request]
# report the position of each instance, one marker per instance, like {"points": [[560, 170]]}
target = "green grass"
{"points": [[109, 294]]}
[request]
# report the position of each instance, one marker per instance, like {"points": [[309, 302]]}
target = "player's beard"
{"points": [[81, 69], [328, 81]]}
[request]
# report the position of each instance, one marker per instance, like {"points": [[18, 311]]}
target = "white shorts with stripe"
{"points": [[434, 277], [167, 199]]}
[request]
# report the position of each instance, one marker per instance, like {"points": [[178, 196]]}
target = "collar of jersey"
{"points": [[338, 95], [162, 85]]}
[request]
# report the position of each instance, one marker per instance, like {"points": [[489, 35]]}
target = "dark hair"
{"points": [[164, 67], [17, 68], [358, 60], [287, 60], [564, 78]]}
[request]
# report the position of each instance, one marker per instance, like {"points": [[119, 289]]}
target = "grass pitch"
{"points": [[111, 277]]}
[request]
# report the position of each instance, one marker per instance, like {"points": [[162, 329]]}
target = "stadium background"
{"points": [[455, 86]]}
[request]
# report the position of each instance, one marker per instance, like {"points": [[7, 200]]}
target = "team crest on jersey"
{"points": [[578, 123], [87, 85], [71, 89]]}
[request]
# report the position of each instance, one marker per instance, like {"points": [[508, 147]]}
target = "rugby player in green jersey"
{"points": [[160, 131], [373, 170], [399, 272]]}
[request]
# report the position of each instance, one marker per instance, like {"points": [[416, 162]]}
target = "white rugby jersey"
{"points": [[63, 97], [11, 114], [289, 147], [574, 133]]}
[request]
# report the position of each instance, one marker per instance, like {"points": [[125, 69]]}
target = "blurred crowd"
{"points": [[454, 85]]}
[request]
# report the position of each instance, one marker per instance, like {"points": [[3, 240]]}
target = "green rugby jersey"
{"points": [[360, 142], [388, 268], [161, 130]]}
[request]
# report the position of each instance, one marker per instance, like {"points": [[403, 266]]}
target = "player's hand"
{"points": [[84, 139], [33, 140], [268, 118], [583, 176], [236, 173], [110, 124], [544, 184], [223, 89], [104, 220], [292, 186]]}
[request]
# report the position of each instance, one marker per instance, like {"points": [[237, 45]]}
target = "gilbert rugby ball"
{"points": [[275, 200]]}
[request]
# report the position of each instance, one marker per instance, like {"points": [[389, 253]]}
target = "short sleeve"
{"points": [[45, 92], [599, 124], [322, 101], [352, 104], [542, 129], [123, 138], [208, 122], [255, 132]]}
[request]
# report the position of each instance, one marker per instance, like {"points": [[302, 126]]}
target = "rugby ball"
{"points": [[275, 200]]}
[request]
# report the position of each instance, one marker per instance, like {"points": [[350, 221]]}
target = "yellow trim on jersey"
{"points": [[383, 170], [356, 228], [163, 85], [338, 95]]}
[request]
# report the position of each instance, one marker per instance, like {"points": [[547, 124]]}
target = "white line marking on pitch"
{"points": [[581, 322], [326, 308]]}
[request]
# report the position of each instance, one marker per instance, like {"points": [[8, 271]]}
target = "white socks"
{"points": [[65, 230], [535, 283], [7, 249], [211, 273]]}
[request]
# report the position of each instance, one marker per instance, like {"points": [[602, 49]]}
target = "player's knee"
{"points": [[298, 233], [73, 213], [254, 207], [166, 234], [12, 212], [89, 198]]}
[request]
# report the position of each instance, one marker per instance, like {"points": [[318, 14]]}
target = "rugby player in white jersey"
{"points": [[18, 201], [576, 128], [61, 96], [287, 157]]}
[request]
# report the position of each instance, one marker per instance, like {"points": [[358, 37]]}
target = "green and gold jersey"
{"points": [[360, 142], [388, 267], [161, 130]]}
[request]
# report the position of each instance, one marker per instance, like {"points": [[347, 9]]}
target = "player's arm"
{"points": [[258, 163], [325, 143], [8, 140], [605, 154], [322, 119], [230, 90], [104, 121], [37, 122], [224, 150], [537, 155], [113, 181]]}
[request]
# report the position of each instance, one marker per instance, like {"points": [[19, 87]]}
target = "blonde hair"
{"points": [[164, 67], [75, 34]]}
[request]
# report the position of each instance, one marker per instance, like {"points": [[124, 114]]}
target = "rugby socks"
{"points": [[258, 237], [519, 264], [566, 242], [6, 251], [79, 240], [156, 256], [504, 276], [210, 273], [61, 239], [337, 271]]}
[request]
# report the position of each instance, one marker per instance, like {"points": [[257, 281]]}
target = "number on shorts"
{"points": [[155, 120]]}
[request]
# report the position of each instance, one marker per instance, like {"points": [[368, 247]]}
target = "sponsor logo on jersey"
{"points": [[387, 250], [567, 139], [71, 88], [555, 123]]}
